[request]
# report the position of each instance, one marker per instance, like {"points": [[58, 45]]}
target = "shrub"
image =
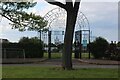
{"points": [[99, 47], [118, 44], [32, 50], [33, 47], [114, 51]]}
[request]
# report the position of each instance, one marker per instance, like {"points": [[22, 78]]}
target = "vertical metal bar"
{"points": [[80, 44], [49, 44], [89, 45]]}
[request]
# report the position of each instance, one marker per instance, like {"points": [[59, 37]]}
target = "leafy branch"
{"points": [[20, 19]]}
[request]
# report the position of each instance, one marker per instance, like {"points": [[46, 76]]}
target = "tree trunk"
{"points": [[70, 26], [68, 40]]}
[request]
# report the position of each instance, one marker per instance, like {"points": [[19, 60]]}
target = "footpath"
{"points": [[58, 61], [99, 62]]}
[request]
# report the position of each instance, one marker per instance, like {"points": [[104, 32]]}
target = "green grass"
{"points": [[0, 71], [59, 55], [53, 55], [52, 72]]}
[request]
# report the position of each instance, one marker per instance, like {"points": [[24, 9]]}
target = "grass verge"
{"points": [[53, 72], [59, 55]]}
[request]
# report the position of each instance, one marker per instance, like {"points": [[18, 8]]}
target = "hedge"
{"points": [[31, 50]]}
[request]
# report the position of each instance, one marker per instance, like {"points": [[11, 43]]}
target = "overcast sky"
{"points": [[102, 16]]}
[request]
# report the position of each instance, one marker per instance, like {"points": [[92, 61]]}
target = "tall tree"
{"points": [[16, 12], [72, 11]]}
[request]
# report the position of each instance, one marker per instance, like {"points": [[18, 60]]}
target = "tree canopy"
{"points": [[16, 12]]}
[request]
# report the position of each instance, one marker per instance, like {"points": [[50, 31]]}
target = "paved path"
{"points": [[57, 63], [100, 62]]}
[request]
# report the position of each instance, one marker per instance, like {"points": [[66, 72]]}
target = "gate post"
{"points": [[89, 45], [77, 48], [80, 44], [49, 44]]}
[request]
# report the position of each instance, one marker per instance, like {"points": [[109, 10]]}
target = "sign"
{"points": [[84, 43]]}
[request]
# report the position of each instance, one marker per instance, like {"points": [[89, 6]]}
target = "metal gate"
{"points": [[54, 36]]}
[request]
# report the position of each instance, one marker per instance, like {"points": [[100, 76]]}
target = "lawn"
{"points": [[59, 55], [53, 72], [0, 71], [53, 55]]}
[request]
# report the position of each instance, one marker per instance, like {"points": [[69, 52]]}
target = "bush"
{"points": [[113, 51], [118, 44], [99, 47], [32, 50], [13, 50], [33, 47]]}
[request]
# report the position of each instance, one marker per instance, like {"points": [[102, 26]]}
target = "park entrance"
{"points": [[53, 34]]}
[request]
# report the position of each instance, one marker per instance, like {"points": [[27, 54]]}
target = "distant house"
{"points": [[4, 40]]}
